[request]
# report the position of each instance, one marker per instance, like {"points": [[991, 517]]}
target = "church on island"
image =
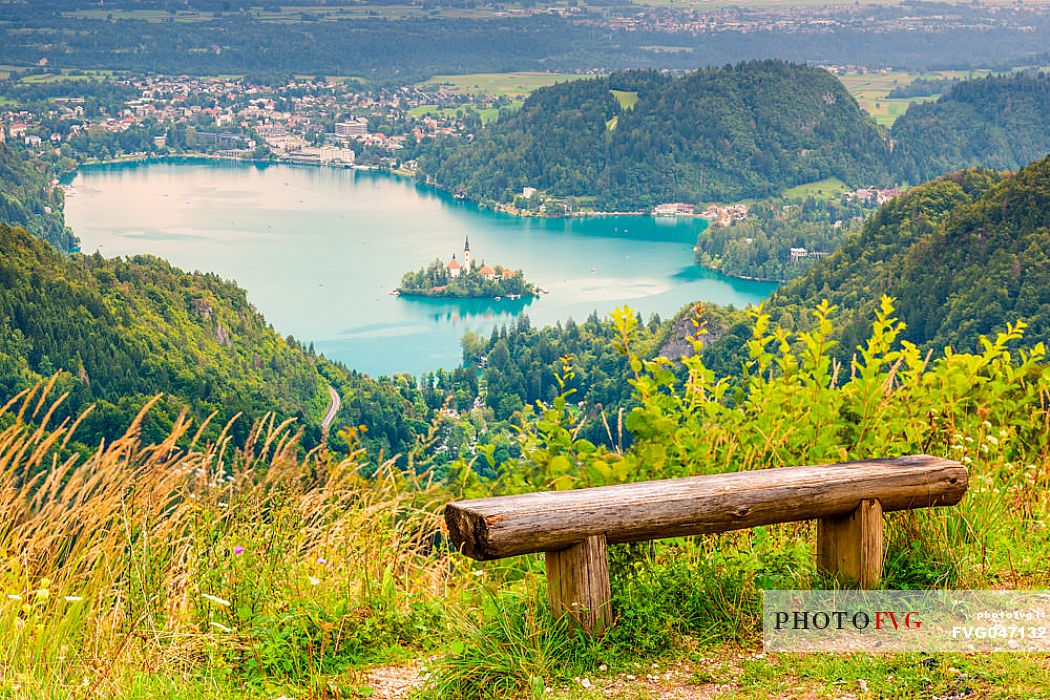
{"points": [[455, 268], [464, 277]]}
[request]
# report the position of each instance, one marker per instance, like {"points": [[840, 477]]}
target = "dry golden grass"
{"points": [[180, 555]]}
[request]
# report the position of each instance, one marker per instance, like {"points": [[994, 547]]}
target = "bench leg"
{"points": [[578, 583], [850, 547]]}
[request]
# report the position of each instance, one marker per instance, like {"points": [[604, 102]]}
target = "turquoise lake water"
{"points": [[319, 251]]}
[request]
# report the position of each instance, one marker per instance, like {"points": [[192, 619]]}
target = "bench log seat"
{"points": [[574, 527]]}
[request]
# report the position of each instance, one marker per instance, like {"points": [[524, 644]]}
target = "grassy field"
{"points": [[94, 76], [626, 99], [828, 188], [871, 90], [514, 85]]}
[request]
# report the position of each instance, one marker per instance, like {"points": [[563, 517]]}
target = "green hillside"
{"points": [[995, 122], [963, 255], [749, 130], [752, 130], [123, 330], [28, 199]]}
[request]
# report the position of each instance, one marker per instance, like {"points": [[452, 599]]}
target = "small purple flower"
{"points": [[238, 550], [322, 561]]}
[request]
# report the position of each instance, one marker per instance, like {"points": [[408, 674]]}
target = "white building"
{"points": [[268, 132], [352, 128], [331, 155], [527, 192]]}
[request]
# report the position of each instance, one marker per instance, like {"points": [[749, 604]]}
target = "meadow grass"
{"points": [[234, 567], [828, 188], [89, 76], [191, 569], [514, 84], [627, 99]]}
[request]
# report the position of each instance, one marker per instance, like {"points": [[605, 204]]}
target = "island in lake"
{"points": [[466, 279]]}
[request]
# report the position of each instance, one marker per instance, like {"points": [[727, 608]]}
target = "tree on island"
{"points": [[465, 279]]}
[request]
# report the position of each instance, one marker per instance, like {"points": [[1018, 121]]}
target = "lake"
{"points": [[319, 251]]}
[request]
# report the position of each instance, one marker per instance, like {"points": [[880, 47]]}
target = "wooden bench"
{"points": [[574, 527]]}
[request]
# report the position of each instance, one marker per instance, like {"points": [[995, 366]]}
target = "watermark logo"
{"points": [[902, 621]]}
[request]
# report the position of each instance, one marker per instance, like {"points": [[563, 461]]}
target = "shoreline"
{"points": [[397, 172], [193, 155], [504, 297]]}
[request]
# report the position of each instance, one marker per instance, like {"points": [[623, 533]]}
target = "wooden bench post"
{"points": [[849, 547], [578, 583]]}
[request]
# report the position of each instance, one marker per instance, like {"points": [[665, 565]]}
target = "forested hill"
{"points": [[635, 139], [28, 199], [964, 256], [995, 122], [126, 329]]}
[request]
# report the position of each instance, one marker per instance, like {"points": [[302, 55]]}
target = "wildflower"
{"points": [[215, 599], [992, 439], [967, 460], [13, 596], [322, 561], [987, 424], [72, 598], [222, 627], [238, 550], [313, 580], [479, 572]]}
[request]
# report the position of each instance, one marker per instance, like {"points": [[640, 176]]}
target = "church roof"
{"points": [[486, 270], [454, 265]]}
